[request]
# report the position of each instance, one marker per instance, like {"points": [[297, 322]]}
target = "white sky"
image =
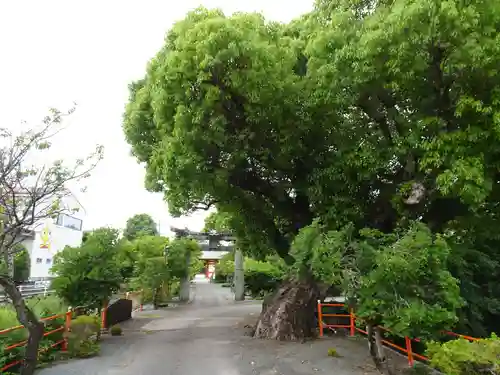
{"points": [[56, 52]]}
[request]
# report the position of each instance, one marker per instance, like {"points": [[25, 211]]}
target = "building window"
{"points": [[69, 222], [48, 261], [38, 260]]}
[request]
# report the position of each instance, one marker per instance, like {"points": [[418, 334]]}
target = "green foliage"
{"points": [[116, 330], [332, 352], [225, 266], [174, 130], [22, 264], [82, 338], [367, 115], [140, 225], [47, 306], [177, 255], [261, 277], [157, 272], [126, 259], [462, 357], [90, 274], [151, 269], [407, 287], [43, 307], [319, 252], [219, 222]]}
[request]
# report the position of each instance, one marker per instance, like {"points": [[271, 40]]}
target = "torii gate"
{"points": [[212, 249]]}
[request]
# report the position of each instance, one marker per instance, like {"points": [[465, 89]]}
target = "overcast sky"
{"points": [[56, 52]]}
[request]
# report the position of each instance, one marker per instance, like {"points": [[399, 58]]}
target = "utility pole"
{"points": [[239, 276]]}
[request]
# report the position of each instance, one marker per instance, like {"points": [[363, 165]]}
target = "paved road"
{"points": [[206, 337]]}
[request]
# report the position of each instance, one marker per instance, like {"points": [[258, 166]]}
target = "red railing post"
{"points": [[409, 351], [320, 319], [352, 322], [103, 315], [67, 325]]}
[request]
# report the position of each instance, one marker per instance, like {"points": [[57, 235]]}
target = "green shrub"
{"points": [[461, 357], [224, 268], [116, 330], [82, 338], [261, 277]]}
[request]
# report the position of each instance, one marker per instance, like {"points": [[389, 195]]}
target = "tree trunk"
{"points": [[29, 320], [289, 314], [156, 296], [376, 349]]}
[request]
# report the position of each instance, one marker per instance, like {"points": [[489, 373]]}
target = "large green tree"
{"points": [[140, 225], [367, 113]]}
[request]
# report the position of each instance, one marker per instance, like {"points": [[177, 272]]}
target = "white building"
{"points": [[51, 236]]}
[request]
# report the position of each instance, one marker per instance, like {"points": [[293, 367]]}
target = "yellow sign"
{"points": [[45, 237]]}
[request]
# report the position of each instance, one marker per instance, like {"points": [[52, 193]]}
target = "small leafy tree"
{"points": [[140, 225], [32, 192], [151, 270], [403, 284], [127, 257], [179, 251], [225, 266], [89, 275]]}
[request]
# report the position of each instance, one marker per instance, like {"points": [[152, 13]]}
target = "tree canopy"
{"points": [[89, 275], [218, 221], [140, 225], [362, 114], [160, 262]]}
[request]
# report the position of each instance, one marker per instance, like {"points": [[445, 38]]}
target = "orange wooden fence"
{"points": [[407, 350], [64, 328], [62, 343]]}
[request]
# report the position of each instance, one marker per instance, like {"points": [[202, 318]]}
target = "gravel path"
{"points": [[206, 337]]}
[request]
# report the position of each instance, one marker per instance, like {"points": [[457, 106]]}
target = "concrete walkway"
{"points": [[206, 337]]}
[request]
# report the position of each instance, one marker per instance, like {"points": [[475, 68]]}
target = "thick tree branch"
{"points": [[204, 205]]}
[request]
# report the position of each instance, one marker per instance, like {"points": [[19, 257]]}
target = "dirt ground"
{"points": [[209, 337]]}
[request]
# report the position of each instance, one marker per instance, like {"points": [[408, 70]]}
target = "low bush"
{"points": [[82, 337], [116, 330], [261, 277], [166, 294], [462, 357]]}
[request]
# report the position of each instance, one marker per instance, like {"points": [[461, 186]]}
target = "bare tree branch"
{"points": [[30, 194]]}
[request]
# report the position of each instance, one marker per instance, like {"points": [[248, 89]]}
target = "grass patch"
{"points": [[42, 307]]}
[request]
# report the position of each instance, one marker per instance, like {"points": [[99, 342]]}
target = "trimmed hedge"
{"points": [[262, 278]]}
